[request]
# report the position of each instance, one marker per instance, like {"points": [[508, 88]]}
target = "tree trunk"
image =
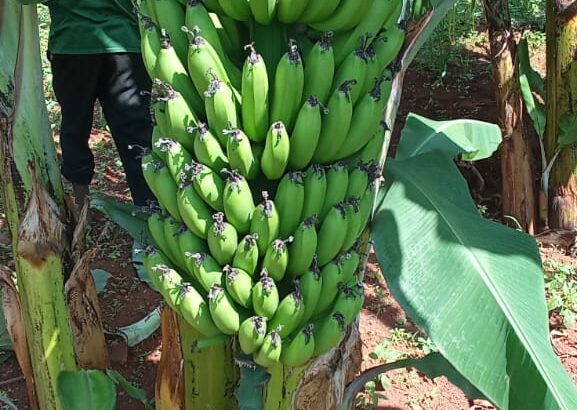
{"points": [[561, 98], [210, 376], [517, 173]]}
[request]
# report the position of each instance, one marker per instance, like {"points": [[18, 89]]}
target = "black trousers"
{"points": [[116, 80]]}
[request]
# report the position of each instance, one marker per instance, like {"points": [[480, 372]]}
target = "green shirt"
{"points": [[91, 26]]}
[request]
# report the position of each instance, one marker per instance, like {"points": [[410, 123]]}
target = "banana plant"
{"points": [[49, 329], [532, 86]]}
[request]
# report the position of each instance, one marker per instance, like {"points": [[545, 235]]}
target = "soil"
{"points": [[126, 299]]}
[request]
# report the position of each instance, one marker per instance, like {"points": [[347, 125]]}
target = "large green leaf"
{"points": [[529, 81], [473, 139], [86, 390], [475, 286]]}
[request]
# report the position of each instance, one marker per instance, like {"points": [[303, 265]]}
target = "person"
{"points": [[94, 53]]}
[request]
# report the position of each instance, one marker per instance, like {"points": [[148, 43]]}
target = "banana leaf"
{"points": [[473, 139], [476, 287], [86, 390]]}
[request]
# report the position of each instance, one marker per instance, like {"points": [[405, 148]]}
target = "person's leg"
{"points": [[127, 113], [75, 81]]}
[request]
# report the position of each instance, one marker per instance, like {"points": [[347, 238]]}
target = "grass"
{"points": [[453, 42], [561, 288]]}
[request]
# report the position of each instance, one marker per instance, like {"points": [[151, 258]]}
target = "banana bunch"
{"points": [[264, 163]]}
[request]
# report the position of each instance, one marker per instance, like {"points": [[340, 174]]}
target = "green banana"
{"points": [[373, 150], [395, 17], [390, 44], [331, 275], [207, 184], [171, 70], [150, 164], [265, 223], [251, 334], [158, 114], [315, 183], [171, 15], [239, 285], [222, 239], [194, 212], [207, 148], [189, 243], [350, 264], [337, 186], [171, 230], [176, 157], [377, 15], [237, 9], [353, 222], [276, 151], [374, 70], [358, 180], [177, 113], [270, 351], [263, 11], [332, 234], [197, 15], [366, 119], [310, 285], [145, 9], [289, 313], [196, 312], [366, 207], [265, 297], [276, 259], [153, 257], [220, 108], [305, 135], [246, 255], [300, 349], [203, 62], [238, 202], [288, 87], [163, 187], [317, 11], [353, 68], [255, 94], [289, 201], [302, 249], [350, 301], [155, 223], [335, 124], [320, 68], [213, 6], [206, 269], [289, 11], [347, 15], [328, 333], [158, 143], [169, 285], [149, 45], [239, 152], [223, 311]]}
